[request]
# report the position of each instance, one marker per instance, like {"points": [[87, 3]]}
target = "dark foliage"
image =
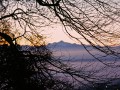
{"points": [[23, 70]]}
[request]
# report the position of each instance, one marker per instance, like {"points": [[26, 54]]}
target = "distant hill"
{"points": [[77, 52], [63, 45], [73, 51]]}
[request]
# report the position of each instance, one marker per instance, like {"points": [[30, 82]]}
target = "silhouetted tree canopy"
{"points": [[95, 21], [25, 70]]}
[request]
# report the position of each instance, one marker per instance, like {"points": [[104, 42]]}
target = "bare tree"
{"points": [[96, 22]]}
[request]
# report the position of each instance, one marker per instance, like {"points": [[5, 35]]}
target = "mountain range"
{"points": [[78, 52], [71, 51], [74, 52]]}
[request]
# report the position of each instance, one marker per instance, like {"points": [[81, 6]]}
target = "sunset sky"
{"points": [[57, 33]]}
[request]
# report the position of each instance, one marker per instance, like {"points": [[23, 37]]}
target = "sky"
{"points": [[54, 33], [57, 33]]}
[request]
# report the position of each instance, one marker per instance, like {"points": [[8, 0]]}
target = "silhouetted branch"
{"points": [[54, 3]]}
